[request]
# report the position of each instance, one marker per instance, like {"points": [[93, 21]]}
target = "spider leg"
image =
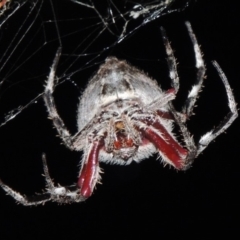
{"points": [[173, 74], [89, 174], [192, 97], [168, 147], [231, 116], [51, 107], [211, 135], [188, 139], [193, 94], [58, 194], [24, 200]]}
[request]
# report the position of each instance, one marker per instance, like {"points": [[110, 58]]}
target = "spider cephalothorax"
{"points": [[124, 116]]}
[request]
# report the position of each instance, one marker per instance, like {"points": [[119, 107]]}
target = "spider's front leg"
{"points": [[156, 132], [90, 171]]}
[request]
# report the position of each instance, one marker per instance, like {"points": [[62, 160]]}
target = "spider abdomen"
{"points": [[115, 81]]}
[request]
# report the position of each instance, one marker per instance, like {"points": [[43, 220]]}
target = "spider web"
{"points": [[87, 31]]}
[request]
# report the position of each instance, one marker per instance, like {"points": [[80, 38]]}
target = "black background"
{"points": [[142, 200]]}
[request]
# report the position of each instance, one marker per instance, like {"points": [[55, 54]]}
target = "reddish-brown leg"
{"points": [[89, 174], [170, 140], [166, 115], [166, 144]]}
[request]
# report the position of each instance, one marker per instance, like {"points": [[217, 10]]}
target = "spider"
{"points": [[124, 116]]}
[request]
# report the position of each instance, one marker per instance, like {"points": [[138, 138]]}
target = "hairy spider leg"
{"points": [[187, 109], [173, 74], [166, 144], [193, 94], [51, 107], [228, 120], [89, 174]]}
